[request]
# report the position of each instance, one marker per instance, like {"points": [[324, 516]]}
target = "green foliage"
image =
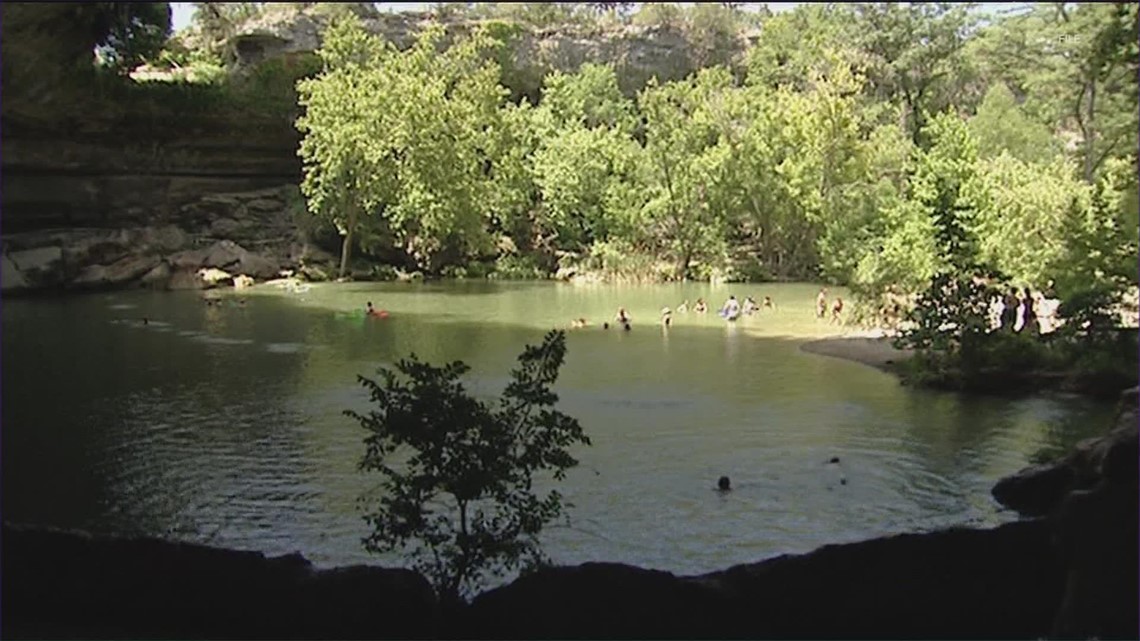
{"points": [[131, 33], [1000, 126], [399, 140], [458, 472], [845, 154]]}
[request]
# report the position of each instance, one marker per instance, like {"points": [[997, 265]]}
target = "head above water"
{"points": [[723, 484]]}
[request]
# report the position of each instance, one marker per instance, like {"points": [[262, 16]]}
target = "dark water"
{"points": [[222, 424]]}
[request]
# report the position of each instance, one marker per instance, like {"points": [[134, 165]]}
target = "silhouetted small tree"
{"points": [[458, 492]]}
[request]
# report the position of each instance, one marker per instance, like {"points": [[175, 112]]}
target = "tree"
{"points": [[132, 33], [685, 167], [1001, 125], [915, 50], [343, 181], [458, 473], [400, 142], [1076, 65]]}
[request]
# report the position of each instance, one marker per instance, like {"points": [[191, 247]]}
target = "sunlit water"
{"points": [[223, 425]]}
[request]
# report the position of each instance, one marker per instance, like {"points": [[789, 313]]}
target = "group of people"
{"points": [[821, 307], [729, 311], [1037, 315]]}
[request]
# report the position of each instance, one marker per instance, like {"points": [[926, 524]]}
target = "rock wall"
{"points": [[637, 53], [249, 233]]}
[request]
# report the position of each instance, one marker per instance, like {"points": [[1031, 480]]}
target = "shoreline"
{"points": [[872, 348]]}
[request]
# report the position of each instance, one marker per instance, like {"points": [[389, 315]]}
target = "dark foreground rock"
{"points": [[1000, 583], [68, 585], [1091, 496], [1040, 489]]}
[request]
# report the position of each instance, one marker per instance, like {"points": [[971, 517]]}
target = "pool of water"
{"points": [[222, 424]]}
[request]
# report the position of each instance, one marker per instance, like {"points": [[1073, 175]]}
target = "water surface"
{"points": [[222, 424]]}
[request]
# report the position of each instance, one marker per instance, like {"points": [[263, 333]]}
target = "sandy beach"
{"points": [[869, 348]]}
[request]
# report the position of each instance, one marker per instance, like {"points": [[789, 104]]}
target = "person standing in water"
{"points": [[700, 307], [750, 305], [836, 310], [666, 316], [731, 308], [821, 303]]}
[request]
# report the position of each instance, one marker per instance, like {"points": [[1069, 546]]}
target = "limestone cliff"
{"points": [[87, 162]]}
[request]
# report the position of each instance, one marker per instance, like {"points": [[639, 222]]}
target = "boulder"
{"points": [[188, 259], [118, 273], [11, 279], [40, 259], [82, 249], [258, 266], [182, 279], [1039, 489], [223, 254], [159, 277]]}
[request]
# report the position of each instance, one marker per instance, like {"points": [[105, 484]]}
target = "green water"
{"points": [[222, 424]]}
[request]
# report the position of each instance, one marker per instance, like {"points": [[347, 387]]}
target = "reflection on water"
{"points": [[222, 423]]}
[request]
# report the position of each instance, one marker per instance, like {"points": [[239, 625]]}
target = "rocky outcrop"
{"points": [[246, 233], [1000, 583], [70, 585], [1040, 489], [1091, 498], [638, 53]]}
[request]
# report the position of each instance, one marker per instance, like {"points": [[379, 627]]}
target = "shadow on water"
{"points": [[222, 424]]}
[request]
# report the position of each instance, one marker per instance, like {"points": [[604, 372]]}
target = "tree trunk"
{"points": [[1090, 138], [345, 249], [346, 246]]}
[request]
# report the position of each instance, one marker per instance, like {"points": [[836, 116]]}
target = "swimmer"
{"points": [[836, 310], [821, 303], [606, 325], [666, 316], [700, 307], [622, 316], [723, 484], [768, 302], [683, 307], [577, 323]]}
